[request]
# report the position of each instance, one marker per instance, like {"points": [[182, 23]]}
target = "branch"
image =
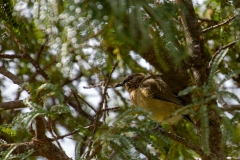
{"points": [[11, 56], [77, 95], [182, 141], [110, 109], [94, 86], [107, 83], [15, 38], [26, 56], [194, 45], [12, 105], [231, 108], [207, 20], [32, 77], [99, 112], [218, 51], [199, 71], [79, 109], [36, 65], [41, 50], [40, 128], [42, 148], [53, 133], [219, 25], [68, 134], [15, 79], [226, 106]]}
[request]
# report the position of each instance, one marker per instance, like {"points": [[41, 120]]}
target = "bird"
{"points": [[157, 94]]}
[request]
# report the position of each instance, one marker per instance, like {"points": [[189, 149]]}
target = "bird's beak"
{"points": [[118, 85]]}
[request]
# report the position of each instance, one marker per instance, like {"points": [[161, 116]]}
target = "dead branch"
{"points": [[219, 25]]}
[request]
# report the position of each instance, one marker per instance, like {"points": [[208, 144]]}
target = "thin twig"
{"points": [[32, 77], [104, 93], [36, 65], [41, 50], [110, 109], [208, 20], [105, 107], [68, 134], [226, 106], [79, 109], [94, 86], [218, 51], [219, 25], [77, 95], [11, 56], [97, 85], [107, 82], [52, 131]]}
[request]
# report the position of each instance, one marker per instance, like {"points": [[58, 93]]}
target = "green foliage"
{"points": [[215, 64], [7, 130], [84, 38], [205, 129], [7, 155], [77, 150]]}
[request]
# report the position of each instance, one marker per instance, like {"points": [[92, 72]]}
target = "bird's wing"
{"points": [[158, 89]]}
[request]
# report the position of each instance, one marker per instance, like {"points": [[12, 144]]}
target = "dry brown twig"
{"points": [[76, 95], [220, 24], [41, 49], [68, 134], [53, 132], [104, 93]]}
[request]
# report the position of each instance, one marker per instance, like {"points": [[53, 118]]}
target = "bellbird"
{"points": [[156, 93]]}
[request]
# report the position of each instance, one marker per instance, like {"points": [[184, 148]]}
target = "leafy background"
{"points": [[78, 43]]}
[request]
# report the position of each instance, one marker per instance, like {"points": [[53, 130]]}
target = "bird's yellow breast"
{"points": [[161, 110]]}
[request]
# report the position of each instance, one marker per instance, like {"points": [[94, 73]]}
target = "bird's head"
{"points": [[132, 81]]}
